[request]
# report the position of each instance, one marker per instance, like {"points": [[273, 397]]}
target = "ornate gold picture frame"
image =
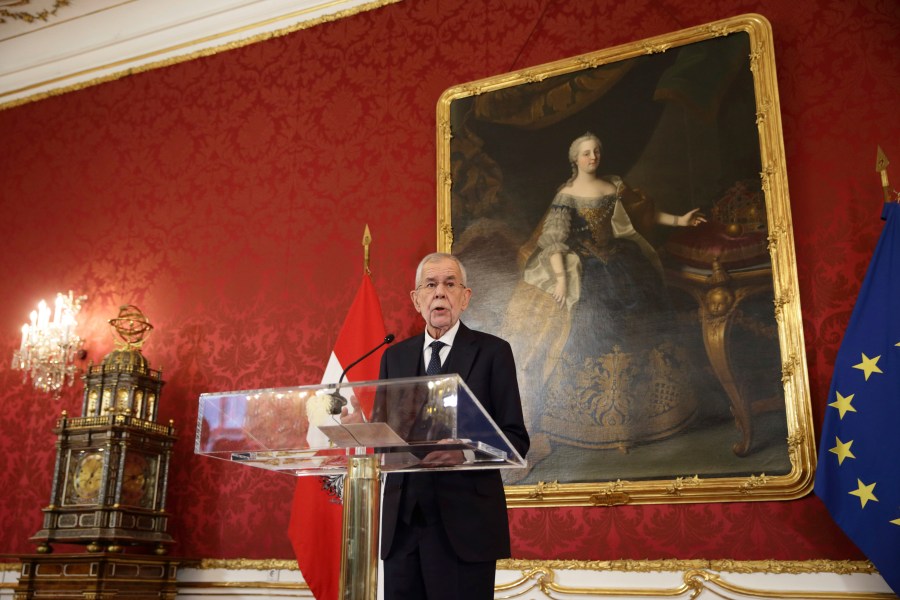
{"points": [[669, 366]]}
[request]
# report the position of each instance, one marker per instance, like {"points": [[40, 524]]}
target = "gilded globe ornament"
{"points": [[131, 326]]}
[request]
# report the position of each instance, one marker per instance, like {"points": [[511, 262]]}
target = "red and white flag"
{"points": [[316, 514]]}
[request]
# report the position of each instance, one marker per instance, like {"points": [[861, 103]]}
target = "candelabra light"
{"points": [[50, 345]]}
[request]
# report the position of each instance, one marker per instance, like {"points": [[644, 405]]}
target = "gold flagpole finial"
{"points": [[881, 165], [367, 239]]}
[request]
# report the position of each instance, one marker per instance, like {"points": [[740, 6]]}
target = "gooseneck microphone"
{"points": [[338, 401], [387, 340]]}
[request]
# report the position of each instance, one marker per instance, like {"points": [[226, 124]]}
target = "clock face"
{"points": [[87, 476], [139, 480]]}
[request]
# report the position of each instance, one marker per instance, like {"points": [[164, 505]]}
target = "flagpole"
{"points": [[367, 239], [361, 512], [881, 165]]}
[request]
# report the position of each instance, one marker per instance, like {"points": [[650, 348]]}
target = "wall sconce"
{"points": [[49, 345]]}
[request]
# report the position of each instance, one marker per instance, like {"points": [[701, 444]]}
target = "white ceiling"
{"points": [[50, 46]]}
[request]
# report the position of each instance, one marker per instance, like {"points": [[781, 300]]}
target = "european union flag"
{"points": [[858, 476]]}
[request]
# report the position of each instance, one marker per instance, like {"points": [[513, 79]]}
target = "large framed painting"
{"points": [[624, 219]]}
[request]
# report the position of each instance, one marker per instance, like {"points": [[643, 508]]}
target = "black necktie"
{"points": [[434, 363]]}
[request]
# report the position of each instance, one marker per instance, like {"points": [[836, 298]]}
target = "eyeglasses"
{"points": [[430, 287]]}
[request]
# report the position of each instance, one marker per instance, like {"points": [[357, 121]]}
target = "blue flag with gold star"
{"points": [[858, 475]]}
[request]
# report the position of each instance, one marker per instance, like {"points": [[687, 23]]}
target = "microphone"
{"points": [[338, 401]]}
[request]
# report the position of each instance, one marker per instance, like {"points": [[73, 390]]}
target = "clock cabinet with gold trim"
{"points": [[112, 464]]}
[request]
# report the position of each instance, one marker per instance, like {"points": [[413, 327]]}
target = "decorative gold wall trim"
{"points": [[697, 576], [241, 563], [771, 567], [790, 567], [694, 583], [126, 71]]}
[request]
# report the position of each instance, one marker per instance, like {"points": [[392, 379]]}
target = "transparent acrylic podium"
{"points": [[414, 424]]}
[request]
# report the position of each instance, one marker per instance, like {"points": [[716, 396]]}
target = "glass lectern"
{"points": [[413, 424]]}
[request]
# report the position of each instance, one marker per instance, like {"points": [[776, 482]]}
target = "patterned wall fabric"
{"points": [[227, 197]]}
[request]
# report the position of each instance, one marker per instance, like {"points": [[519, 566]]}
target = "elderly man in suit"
{"points": [[442, 532]]}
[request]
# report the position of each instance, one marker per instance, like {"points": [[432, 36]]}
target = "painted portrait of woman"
{"points": [[568, 194], [606, 359]]}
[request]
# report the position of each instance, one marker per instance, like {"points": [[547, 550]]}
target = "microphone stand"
{"points": [[338, 401]]}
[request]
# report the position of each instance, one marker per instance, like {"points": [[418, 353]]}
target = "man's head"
{"points": [[441, 294]]}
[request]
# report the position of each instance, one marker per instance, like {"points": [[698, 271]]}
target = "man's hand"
{"points": [[443, 458], [356, 416]]}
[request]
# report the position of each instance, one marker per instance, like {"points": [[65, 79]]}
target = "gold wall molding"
{"points": [[124, 70], [779, 567], [694, 583], [241, 563], [791, 567], [695, 578]]}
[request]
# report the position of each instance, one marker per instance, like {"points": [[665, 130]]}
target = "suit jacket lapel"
{"points": [[462, 354], [404, 362], [411, 359]]}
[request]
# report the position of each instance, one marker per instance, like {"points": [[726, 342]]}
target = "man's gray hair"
{"points": [[434, 256]]}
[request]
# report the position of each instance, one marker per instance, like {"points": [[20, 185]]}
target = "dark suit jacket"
{"points": [[472, 504]]}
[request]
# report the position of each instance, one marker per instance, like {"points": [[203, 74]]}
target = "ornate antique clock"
{"points": [[112, 463]]}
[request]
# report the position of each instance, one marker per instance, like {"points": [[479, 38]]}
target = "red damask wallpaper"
{"points": [[227, 197]]}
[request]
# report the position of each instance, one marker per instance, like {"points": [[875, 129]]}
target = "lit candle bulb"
{"points": [[57, 311], [24, 337], [43, 314]]}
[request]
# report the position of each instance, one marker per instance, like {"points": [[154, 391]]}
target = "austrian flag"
{"points": [[316, 512]]}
